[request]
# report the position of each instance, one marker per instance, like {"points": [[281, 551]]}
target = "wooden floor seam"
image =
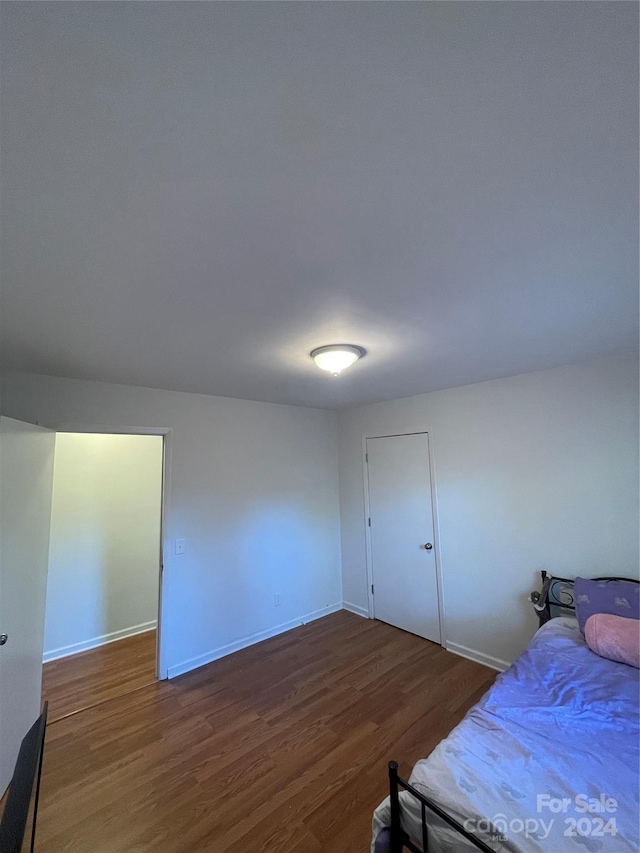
{"points": [[98, 703]]}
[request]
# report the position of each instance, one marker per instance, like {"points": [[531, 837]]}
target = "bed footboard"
{"points": [[399, 839]]}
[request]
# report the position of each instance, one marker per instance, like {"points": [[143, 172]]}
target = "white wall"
{"points": [[533, 471], [254, 491], [104, 565], [538, 471]]}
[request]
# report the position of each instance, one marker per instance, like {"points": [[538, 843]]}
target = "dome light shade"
{"points": [[336, 357]]}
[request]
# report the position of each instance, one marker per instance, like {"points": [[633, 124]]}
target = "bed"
{"points": [[546, 761]]}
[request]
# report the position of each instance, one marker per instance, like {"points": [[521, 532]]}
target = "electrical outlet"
{"points": [[181, 546], [276, 599]]}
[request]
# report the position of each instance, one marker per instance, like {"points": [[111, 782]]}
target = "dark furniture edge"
{"points": [[28, 770]]}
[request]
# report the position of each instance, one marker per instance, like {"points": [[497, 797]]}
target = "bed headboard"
{"points": [[556, 596]]}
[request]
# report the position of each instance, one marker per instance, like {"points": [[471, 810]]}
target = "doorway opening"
{"points": [[105, 562]]}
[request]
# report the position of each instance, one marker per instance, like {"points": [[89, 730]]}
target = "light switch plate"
{"points": [[181, 546]]}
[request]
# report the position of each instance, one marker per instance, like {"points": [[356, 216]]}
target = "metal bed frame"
{"points": [[556, 593], [400, 840]]}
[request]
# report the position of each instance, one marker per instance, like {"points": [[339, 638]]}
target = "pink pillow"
{"points": [[614, 637]]}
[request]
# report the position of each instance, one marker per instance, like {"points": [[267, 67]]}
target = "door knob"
{"points": [[3, 639], [428, 546]]}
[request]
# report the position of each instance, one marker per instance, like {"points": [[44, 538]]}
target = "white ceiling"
{"points": [[197, 194]]}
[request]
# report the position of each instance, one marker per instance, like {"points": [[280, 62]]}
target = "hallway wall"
{"points": [[105, 540]]}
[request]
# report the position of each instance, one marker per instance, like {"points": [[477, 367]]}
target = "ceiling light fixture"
{"points": [[336, 357]]}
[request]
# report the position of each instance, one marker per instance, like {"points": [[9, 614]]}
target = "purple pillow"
{"points": [[618, 598]]}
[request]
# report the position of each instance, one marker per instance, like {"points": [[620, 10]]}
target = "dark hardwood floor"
{"points": [[279, 747], [80, 681]]}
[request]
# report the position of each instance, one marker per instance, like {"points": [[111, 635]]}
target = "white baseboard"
{"points": [[85, 645], [250, 640], [355, 608], [478, 657]]}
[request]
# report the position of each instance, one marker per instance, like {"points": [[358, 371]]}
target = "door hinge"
{"points": [[371, 589], [366, 457], [369, 520]]}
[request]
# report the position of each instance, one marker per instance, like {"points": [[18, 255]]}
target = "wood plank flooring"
{"points": [[80, 681], [279, 747]]}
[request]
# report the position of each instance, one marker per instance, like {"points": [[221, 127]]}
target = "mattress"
{"points": [[546, 761]]}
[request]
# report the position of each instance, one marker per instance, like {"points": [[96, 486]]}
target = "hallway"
{"points": [[89, 678]]}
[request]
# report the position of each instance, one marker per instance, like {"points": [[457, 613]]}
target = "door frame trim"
{"points": [[436, 525], [367, 529], [164, 549]]}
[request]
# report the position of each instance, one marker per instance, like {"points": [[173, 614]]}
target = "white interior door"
{"points": [[402, 553], [26, 482]]}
